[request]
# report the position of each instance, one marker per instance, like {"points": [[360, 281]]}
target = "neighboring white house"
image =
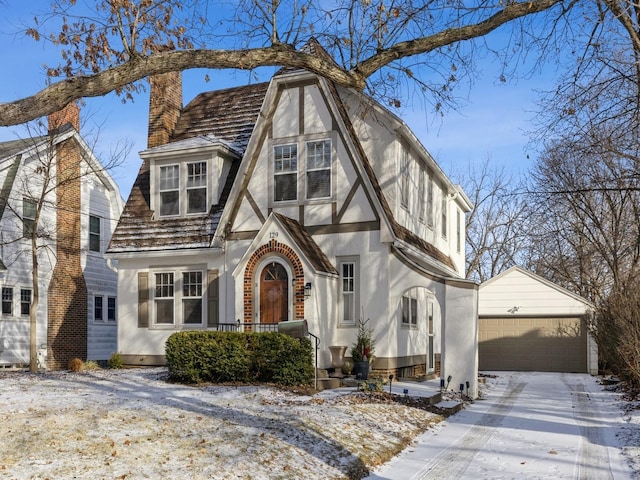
{"points": [[76, 313], [294, 199], [528, 323]]}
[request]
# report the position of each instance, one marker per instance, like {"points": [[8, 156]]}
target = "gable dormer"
{"points": [[187, 177]]}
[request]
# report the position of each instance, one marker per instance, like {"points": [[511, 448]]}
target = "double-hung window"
{"points": [[94, 233], [410, 309], [192, 298], [197, 187], [164, 299], [430, 336], [348, 292], [25, 301], [169, 190], [404, 178], [430, 202], [111, 309], [97, 309], [318, 169], [7, 300], [285, 172], [28, 217], [421, 194], [444, 214]]}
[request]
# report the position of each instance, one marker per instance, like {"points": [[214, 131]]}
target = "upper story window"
{"points": [[182, 189], [197, 187], [421, 195], [404, 178], [458, 231], [319, 169], [169, 190], [285, 172], [28, 217], [444, 214], [94, 233], [312, 181], [430, 202]]}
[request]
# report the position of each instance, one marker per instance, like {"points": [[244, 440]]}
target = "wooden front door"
{"points": [[274, 294]]}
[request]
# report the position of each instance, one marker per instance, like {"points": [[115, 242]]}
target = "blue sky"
{"points": [[491, 122]]}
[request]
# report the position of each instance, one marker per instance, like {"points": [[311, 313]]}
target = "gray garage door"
{"points": [[533, 344]]}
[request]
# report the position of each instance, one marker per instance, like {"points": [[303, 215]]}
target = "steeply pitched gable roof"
{"points": [[228, 115], [307, 244]]}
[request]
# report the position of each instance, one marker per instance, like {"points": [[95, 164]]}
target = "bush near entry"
{"points": [[194, 357]]}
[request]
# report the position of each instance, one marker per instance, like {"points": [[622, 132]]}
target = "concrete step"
{"points": [[328, 383]]}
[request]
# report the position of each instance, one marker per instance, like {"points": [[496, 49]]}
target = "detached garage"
{"points": [[527, 323]]}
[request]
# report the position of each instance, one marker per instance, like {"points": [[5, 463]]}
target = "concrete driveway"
{"points": [[528, 425]]}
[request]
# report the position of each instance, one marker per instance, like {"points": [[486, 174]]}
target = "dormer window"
{"points": [[197, 187], [170, 190], [182, 189]]}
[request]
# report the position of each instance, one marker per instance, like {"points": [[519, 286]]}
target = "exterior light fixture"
{"points": [[307, 290]]}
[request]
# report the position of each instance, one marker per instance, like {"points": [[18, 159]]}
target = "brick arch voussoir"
{"points": [[274, 247]]}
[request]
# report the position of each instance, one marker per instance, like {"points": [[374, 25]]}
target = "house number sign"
{"points": [[273, 235]]}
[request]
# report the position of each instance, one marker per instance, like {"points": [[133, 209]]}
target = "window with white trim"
{"points": [[28, 217], [197, 187], [318, 169], [97, 309], [285, 172], [7, 300], [94, 233], [458, 231], [421, 194], [444, 214], [431, 358], [111, 309], [404, 177], [348, 267], [163, 299], [192, 298], [25, 301], [169, 190], [410, 308], [430, 202]]}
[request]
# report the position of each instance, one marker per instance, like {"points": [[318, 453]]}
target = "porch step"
{"points": [[449, 407], [328, 383]]}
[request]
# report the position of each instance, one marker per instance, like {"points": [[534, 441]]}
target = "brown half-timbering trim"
{"points": [[301, 215], [343, 228], [347, 201], [317, 229], [248, 235], [254, 206], [273, 247]]}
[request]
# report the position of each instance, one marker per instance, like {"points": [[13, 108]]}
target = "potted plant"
{"points": [[362, 350]]}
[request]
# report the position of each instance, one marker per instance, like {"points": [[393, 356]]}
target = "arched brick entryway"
{"points": [[283, 251]]}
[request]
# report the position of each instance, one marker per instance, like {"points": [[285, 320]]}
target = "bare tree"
{"points": [[46, 181], [112, 44], [494, 229], [585, 223]]}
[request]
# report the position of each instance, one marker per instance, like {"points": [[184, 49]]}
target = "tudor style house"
{"points": [[288, 200], [76, 308]]}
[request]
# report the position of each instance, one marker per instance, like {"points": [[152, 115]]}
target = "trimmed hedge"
{"points": [[194, 357]]}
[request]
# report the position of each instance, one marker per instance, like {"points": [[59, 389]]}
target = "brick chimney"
{"points": [[69, 114], [67, 297], [165, 105]]}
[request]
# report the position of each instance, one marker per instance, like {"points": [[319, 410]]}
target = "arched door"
{"points": [[274, 294]]}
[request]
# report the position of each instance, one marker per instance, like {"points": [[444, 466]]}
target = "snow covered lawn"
{"points": [[132, 424]]}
